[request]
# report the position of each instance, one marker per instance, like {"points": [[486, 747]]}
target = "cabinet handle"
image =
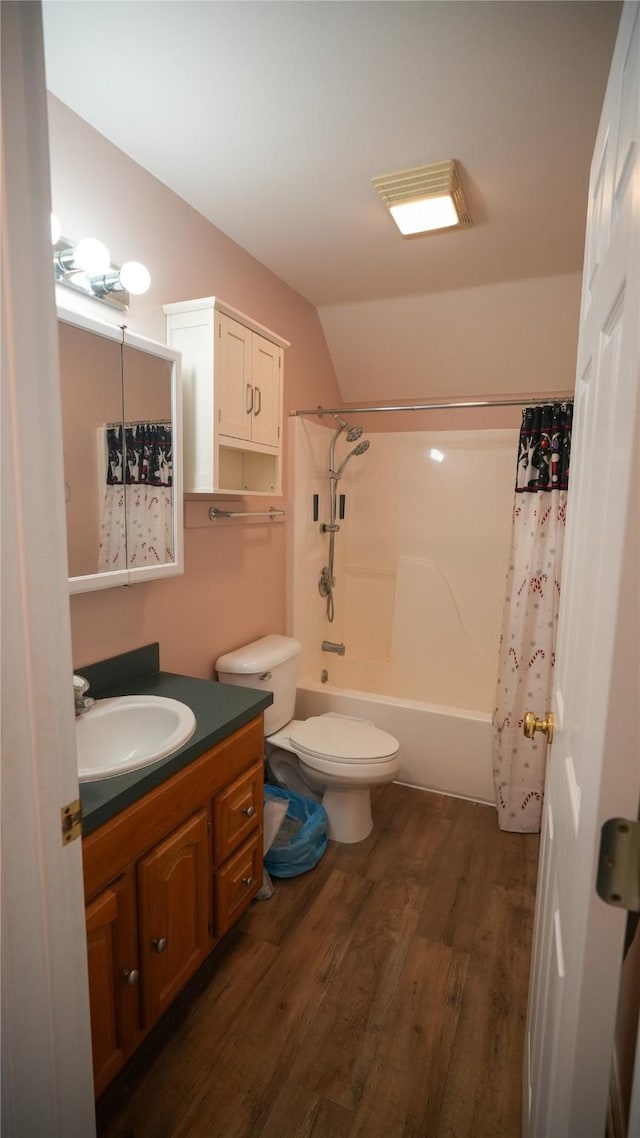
{"points": [[159, 943], [130, 976], [249, 404], [248, 881], [258, 409], [249, 811]]}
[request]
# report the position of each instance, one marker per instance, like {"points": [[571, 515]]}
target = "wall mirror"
{"points": [[122, 454]]}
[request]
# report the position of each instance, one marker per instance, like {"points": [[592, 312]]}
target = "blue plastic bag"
{"points": [[305, 848]]}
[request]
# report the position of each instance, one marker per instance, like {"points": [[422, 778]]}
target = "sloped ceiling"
{"points": [[271, 119]]}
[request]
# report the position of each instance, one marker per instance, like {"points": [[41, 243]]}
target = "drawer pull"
{"points": [[249, 811], [248, 881], [130, 976], [159, 943]]}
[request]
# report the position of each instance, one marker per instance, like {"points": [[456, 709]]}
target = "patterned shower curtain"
{"points": [[527, 643], [137, 520]]}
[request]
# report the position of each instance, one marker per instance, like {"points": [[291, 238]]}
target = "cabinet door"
{"points": [[113, 979], [174, 913], [237, 881], [266, 369], [233, 384]]}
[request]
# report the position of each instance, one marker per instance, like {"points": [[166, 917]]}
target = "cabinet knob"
{"points": [[249, 811], [130, 976], [159, 943], [248, 881]]}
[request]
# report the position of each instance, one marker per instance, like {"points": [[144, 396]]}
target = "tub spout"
{"points": [[329, 646]]}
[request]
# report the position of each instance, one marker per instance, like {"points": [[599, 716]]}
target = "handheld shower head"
{"points": [[360, 449]]}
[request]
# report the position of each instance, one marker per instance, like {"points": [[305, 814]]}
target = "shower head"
{"points": [[360, 449], [353, 434]]}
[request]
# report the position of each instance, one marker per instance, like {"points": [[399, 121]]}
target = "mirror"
{"points": [[122, 454]]}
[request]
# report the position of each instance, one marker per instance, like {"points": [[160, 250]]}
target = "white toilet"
{"points": [[330, 757]]}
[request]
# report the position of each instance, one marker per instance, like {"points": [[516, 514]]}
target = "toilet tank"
{"points": [[268, 664]]}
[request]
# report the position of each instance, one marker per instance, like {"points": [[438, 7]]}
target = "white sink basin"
{"points": [[128, 732]]}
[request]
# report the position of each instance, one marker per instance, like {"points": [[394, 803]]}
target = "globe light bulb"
{"points": [[135, 277], [55, 229], [91, 256]]}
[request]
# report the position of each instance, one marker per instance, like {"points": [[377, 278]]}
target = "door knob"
{"points": [[531, 725]]}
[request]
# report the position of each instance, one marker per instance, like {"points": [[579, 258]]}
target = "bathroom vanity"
{"points": [[172, 856]]}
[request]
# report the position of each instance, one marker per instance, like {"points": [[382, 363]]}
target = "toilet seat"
{"points": [[339, 739]]}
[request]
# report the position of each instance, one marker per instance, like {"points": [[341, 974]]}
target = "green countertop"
{"points": [[220, 709]]}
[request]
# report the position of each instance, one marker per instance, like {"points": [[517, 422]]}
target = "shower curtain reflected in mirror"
{"points": [[137, 519], [527, 643]]}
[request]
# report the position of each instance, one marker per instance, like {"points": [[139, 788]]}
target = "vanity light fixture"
{"points": [[425, 198], [86, 268]]}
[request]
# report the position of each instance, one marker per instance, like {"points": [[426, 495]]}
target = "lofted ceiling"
{"points": [[271, 118]]}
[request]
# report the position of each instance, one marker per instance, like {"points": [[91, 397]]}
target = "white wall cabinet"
{"points": [[232, 374]]}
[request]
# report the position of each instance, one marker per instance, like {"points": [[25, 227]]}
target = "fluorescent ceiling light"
{"points": [[425, 198], [436, 455]]}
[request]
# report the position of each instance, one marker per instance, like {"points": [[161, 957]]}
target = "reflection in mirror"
{"points": [[148, 459], [122, 454], [91, 386]]}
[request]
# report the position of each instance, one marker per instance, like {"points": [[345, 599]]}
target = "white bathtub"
{"points": [[447, 749]]}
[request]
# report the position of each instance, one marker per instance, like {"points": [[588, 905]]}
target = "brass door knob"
{"points": [[531, 725]]}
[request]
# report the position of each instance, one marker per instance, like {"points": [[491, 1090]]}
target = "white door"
{"points": [[594, 763], [266, 365], [234, 389]]}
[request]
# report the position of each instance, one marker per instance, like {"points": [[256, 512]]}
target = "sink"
{"points": [[128, 732]]}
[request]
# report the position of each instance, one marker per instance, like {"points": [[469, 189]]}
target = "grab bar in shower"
{"points": [[272, 513]]}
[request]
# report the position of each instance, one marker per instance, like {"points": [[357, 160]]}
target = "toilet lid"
{"points": [[343, 740]]}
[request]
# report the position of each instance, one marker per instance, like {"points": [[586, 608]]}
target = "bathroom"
{"points": [[237, 581]]}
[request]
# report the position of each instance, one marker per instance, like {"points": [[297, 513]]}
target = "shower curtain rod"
{"points": [[563, 398]]}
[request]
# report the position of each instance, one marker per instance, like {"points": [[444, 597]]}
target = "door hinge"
{"points": [[71, 821], [618, 880]]}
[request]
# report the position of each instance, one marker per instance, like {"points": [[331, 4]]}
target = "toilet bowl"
{"points": [[333, 758]]}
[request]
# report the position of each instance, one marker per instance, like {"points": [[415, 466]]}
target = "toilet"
{"points": [[332, 758]]}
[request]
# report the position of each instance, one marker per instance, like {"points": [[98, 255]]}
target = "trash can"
{"points": [[302, 837]]}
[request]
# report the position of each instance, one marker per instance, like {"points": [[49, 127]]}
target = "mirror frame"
{"points": [[121, 335]]}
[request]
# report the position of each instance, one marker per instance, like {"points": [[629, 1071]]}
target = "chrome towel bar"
{"points": [[272, 513]]}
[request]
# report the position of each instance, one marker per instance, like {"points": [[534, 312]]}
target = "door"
{"points": [[594, 771], [266, 367], [234, 389], [113, 979], [174, 912]]}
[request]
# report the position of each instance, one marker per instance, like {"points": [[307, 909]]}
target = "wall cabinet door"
{"points": [[174, 914], [114, 989], [266, 365], [234, 386]]}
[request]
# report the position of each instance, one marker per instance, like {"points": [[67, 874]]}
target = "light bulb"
{"points": [[91, 256], [135, 277], [55, 229]]}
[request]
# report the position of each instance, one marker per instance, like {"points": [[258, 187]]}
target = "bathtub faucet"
{"points": [[329, 646]]}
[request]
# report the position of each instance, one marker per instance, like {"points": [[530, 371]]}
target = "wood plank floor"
{"points": [[382, 995]]}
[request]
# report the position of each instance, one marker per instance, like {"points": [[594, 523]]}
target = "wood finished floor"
{"points": [[382, 995]]}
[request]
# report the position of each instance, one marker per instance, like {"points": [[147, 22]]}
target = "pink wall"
{"points": [[233, 588]]}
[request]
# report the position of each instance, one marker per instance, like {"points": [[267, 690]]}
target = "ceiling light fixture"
{"points": [[86, 268], [424, 199]]}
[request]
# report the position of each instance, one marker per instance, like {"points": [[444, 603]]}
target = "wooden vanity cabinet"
{"points": [[164, 880]]}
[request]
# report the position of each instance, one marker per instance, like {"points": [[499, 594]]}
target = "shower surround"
{"points": [[420, 565]]}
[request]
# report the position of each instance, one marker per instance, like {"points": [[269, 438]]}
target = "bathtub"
{"points": [[445, 749]]}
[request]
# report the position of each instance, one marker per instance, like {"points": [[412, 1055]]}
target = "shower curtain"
{"points": [[526, 659], [137, 519]]}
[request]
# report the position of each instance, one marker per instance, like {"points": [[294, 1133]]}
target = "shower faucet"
{"points": [[330, 646]]}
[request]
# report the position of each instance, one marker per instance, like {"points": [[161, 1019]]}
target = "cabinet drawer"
{"points": [[236, 882], [237, 811]]}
